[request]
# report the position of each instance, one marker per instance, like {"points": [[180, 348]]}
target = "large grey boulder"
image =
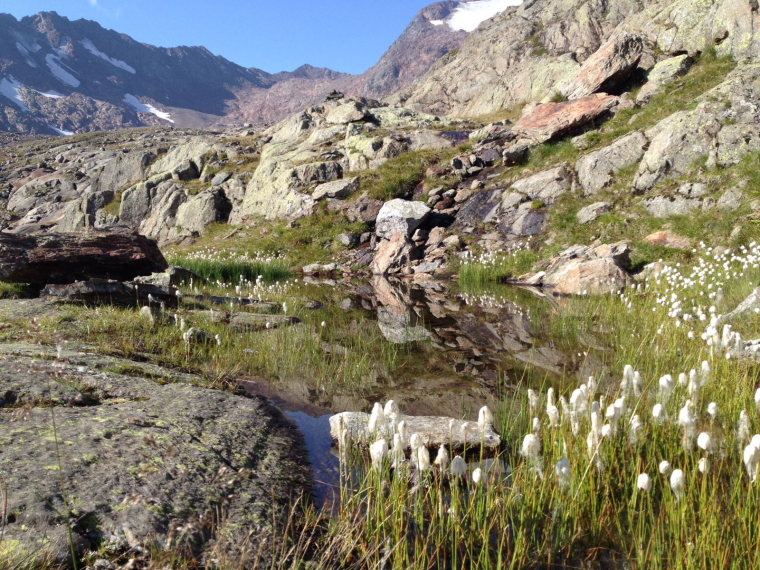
{"points": [[663, 73], [137, 462], [400, 216], [201, 210], [336, 189], [722, 129], [546, 186], [596, 170]]}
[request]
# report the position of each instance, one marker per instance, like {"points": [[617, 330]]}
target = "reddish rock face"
{"points": [[551, 120], [65, 258], [610, 65]]}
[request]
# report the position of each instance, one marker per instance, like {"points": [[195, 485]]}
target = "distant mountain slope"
{"points": [[423, 42], [62, 76]]}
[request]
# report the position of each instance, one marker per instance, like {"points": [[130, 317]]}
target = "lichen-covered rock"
{"points": [[546, 186], [146, 462], [663, 73], [597, 169], [400, 216], [591, 212], [337, 189], [723, 128]]}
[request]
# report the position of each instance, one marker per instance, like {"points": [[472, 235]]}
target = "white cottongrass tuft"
{"points": [[423, 459], [644, 482], [377, 419], [564, 473], [378, 451], [485, 418], [458, 466], [712, 410], [442, 458], [659, 414], [751, 459], [703, 465], [665, 468], [531, 447], [704, 441], [477, 475], [677, 483]]}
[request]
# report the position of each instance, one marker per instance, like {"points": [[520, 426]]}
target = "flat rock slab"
{"points": [[65, 258], [434, 430], [552, 120], [144, 456]]}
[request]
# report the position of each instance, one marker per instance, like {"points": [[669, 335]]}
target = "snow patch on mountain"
{"points": [[11, 89], [89, 46], [26, 53], [50, 94], [140, 107], [56, 68], [469, 15], [61, 131]]}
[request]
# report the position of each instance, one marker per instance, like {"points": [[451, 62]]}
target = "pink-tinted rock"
{"points": [[667, 238], [585, 270], [392, 255], [610, 65], [551, 120]]}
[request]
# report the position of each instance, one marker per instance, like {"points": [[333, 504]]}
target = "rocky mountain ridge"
{"points": [[60, 76]]}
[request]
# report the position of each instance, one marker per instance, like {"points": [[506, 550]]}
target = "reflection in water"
{"points": [[325, 465]]}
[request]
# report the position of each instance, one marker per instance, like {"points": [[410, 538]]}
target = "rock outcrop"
{"points": [[132, 462], [65, 258], [585, 270]]}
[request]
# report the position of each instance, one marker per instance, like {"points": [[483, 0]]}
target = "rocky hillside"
{"points": [[643, 141], [60, 76], [526, 53]]}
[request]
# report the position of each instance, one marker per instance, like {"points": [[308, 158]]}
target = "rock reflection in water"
{"points": [[478, 338]]}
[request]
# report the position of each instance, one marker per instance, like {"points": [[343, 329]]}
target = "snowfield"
{"points": [[11, 89], [469, 15], [89, 46], [140, 107], [56, 68]]}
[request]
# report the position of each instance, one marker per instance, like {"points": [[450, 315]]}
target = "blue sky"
{"points": [[274, 35]]}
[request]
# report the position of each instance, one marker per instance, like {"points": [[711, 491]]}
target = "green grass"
{"points": [[399, 176], [529, 520], [495, 268], [308, 240], [234, 270]]}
